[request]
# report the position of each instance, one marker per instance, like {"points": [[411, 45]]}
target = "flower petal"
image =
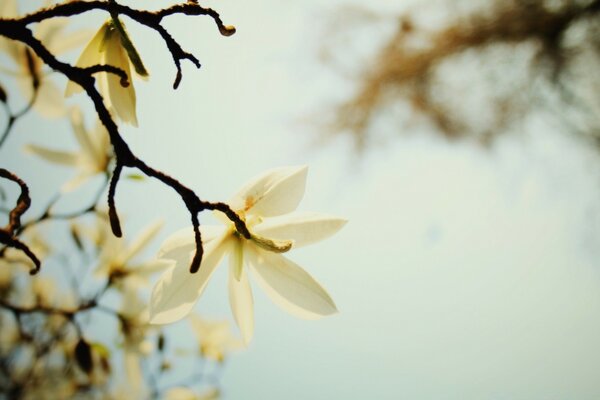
{"points": [[302, 228], [122, 98], [70, 41], [275, 192], [74, 183], [133, 368], [91, 55], [139, 275], [180, 393], [101, 143], [81, 134], [236, 259], [177, 291], [142, 240], [54, 156], [289, 286], [8, 9], [183, 242], [49, 32], [49, 101], [240, 300]]}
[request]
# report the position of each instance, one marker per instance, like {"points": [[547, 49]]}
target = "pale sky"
{"points": [[463, 273]]}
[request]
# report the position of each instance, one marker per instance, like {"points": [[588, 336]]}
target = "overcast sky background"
{"points": [[463, 273]]}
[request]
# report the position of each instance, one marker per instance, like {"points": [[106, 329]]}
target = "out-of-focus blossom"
{"points": [[91, 159], [49, 101], [117, 258], [215, 339], [266, 204], [184, 393], [9, 334], [136, 345]]}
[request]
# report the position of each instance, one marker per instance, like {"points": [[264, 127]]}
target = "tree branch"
{"points": [[17, 29]]}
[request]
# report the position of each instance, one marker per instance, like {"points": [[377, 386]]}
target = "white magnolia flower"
{"points": [[91, 159], [49, 101], [106, 47], [266, 204]]}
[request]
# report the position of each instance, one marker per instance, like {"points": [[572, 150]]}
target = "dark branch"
{"points": [[7, 234], [17, 30]]}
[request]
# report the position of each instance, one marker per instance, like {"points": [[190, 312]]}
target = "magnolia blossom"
{"points": [[215, 339], [265, 204], [91, 159], [49, 99], [116, 258], [106, 47]]}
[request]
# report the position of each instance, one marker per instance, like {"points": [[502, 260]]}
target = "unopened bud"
{"points": [[227, 30], [83, 356], [161, 342], [3, 96]]}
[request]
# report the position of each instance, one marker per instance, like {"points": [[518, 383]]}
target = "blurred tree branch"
{"points": [[537, 46]]}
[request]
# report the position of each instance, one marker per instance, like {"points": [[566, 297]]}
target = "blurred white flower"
{"points": [[136, 344], [215, 339], [91, 159], [49, 101], [116, 259], [266, 204], [184, 393], [107, 47]]}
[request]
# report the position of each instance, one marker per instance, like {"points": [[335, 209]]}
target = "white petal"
{"points": [[49, 101], [183, 242], [81, 134], [240, 300], [49, 32], [236, 259], [101, 143], [180, 393], [139, 275], [302, 228], [289, 286], [275, 192], [75, 182], [70, 41], [8, 9], [207, 330], [132, 368], [122, 98], [12, 48], [177, 291], [55, 156], [142, 240], [91, 55]]}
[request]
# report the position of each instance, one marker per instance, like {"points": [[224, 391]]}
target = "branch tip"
{"points": [[227, 30]]}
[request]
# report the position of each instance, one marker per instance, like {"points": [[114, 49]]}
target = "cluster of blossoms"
{"points": [[266, 205]]}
